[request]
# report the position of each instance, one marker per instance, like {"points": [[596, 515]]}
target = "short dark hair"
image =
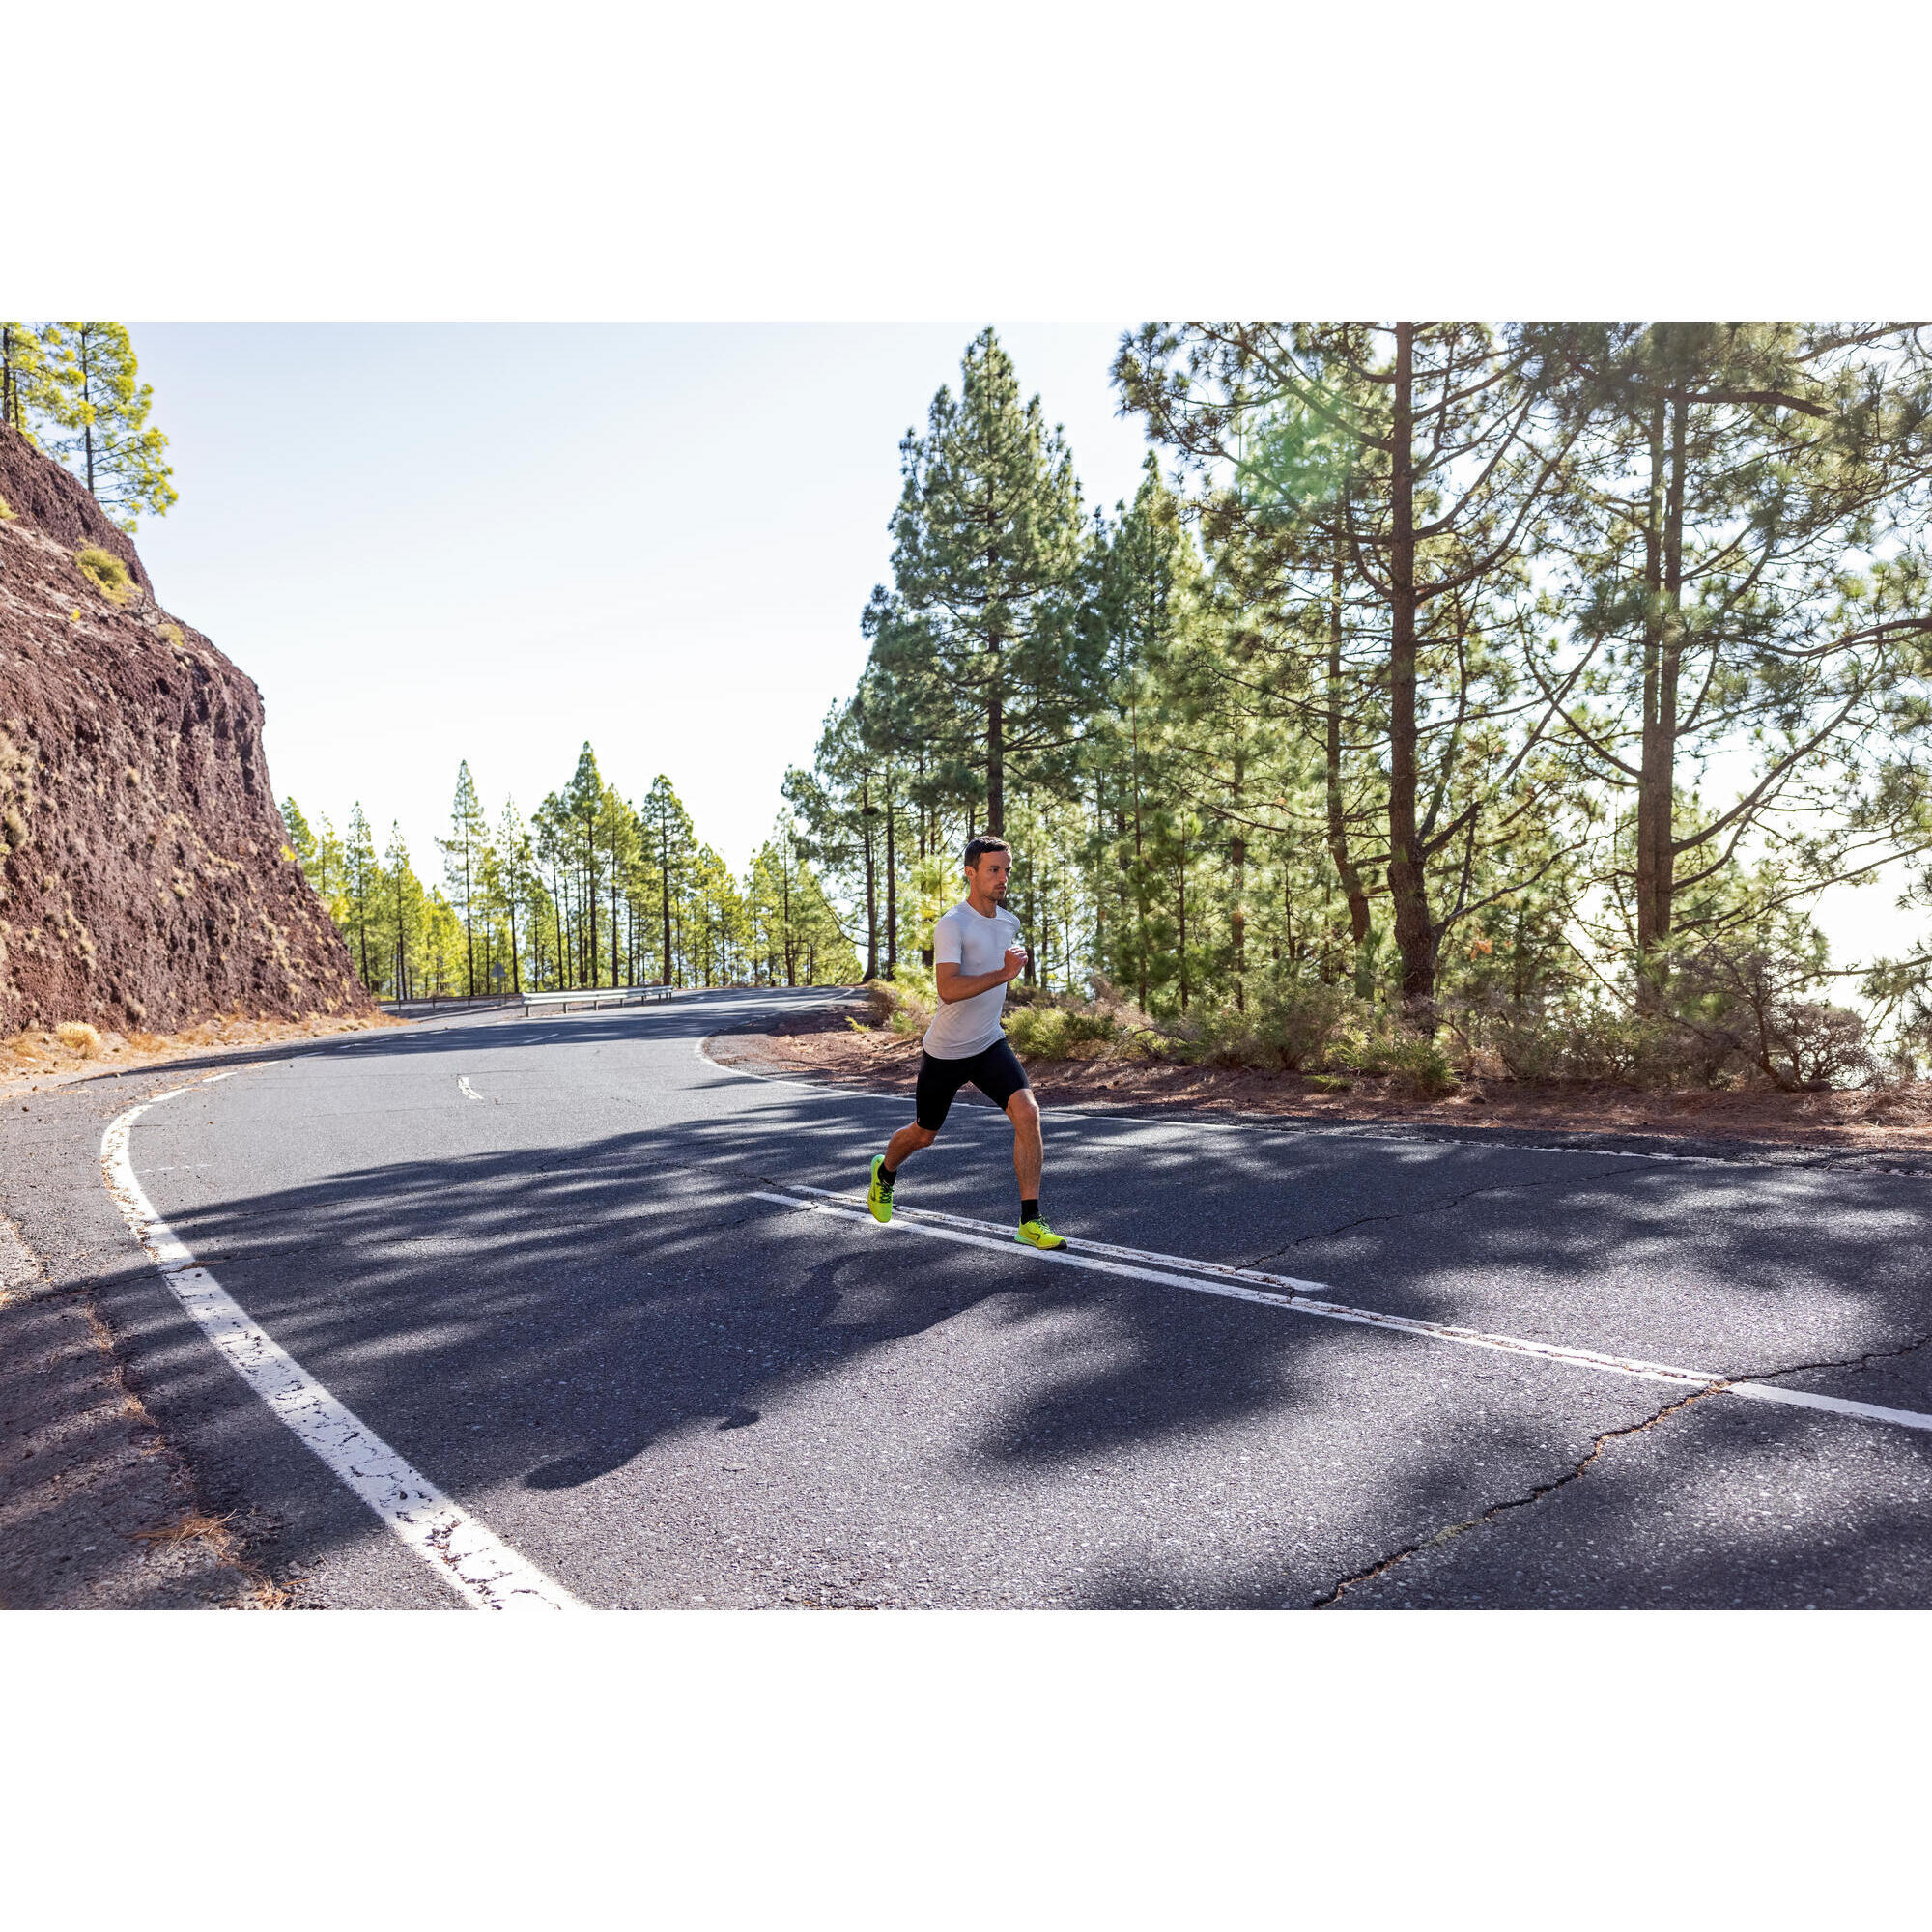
{"points": [[977, 848]]}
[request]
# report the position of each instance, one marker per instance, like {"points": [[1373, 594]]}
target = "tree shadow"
{"points": [[541, 1317]]}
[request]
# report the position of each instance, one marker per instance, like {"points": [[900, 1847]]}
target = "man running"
{"points": [[975, 953]]}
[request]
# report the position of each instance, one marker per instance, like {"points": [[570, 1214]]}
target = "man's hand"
{"points": [[1017, 959]]}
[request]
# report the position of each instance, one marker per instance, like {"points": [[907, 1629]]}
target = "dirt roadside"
{"points": [[97, 1509], [35, 1061], [1889, 1126]]}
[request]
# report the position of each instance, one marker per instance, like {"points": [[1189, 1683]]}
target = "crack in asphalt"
{"points": [[1451, 1531], [1850, 1362], [1437, 1208]]}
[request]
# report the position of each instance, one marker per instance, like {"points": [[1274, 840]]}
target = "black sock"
{"points": [[1029, 1210], [887, 1175]]}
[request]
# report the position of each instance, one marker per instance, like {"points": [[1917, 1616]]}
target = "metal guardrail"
{"points": [[442, 1003], [594, 997]]}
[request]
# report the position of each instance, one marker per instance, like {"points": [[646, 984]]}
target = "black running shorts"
{"points": [[995, 1070]]}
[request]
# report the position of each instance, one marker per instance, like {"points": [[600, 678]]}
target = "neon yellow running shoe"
{"points": [[1038, 1234], [878, 1196]]}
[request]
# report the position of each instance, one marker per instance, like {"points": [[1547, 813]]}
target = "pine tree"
{"points": [[979, 627], [23, 377], [301, 841], [403, 904], [462, 857], [97, 408], [583, 814], [519, 883], [669, 838], [363, 892]]}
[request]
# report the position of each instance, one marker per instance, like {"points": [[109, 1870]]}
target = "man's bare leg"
{"points": [[906, 1142], [1023, 1111]]}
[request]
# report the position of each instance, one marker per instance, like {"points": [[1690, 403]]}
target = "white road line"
{"points": [[1211, 1278], [480, 1568], [469, 1092]]}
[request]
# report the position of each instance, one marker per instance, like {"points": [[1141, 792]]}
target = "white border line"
{"points": [[1211, 1278], [478, 1566]]}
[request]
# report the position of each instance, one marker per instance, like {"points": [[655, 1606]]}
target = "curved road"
{"points": [[574, 1273]]}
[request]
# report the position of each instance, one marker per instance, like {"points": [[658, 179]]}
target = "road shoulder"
{"points": [[838, 1045], [97, 1510]]}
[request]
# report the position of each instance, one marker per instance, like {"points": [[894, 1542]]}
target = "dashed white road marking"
{"points": [[468, 1092], [1301, 1298], [478, 1566]]}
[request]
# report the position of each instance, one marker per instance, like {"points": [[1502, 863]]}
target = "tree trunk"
{"points": [[663, 885], [1663, 655], [892, 895], [87, 396], [996, 753], [1415, 936], [871, 881], [1237, 918], [1350, 878], [1180, 878]]}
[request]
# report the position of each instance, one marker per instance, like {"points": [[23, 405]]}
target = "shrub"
{"points": [[79, 1037], [12, 828], [7, 511], [107, 573], [1302, 1023], [906, 1004], [1420, 1067], [1046, 1029]]}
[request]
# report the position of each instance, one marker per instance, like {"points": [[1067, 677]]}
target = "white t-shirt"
{"points": [[962, 1027]]}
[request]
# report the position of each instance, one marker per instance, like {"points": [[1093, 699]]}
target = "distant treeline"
{"points": [[594, 891]]}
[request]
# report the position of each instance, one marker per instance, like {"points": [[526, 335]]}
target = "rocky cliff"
{"points": [[144, 876]]}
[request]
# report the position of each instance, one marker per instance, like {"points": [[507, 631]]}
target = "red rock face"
{"points": [[145, 880]]}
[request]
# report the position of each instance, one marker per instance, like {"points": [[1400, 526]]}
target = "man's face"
{"points": [[988, 877]]}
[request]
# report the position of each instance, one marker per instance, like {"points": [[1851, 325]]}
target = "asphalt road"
{"points": [[531, 1257]]}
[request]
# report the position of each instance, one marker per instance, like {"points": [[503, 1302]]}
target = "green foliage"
{"points": [[90, 408], [1048, 1031], [107, 573], [23, 377]]}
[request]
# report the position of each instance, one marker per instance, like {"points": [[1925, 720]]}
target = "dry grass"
{"points": [[36, 1058], [107, 573], [77, 1037], [196, 1523]]}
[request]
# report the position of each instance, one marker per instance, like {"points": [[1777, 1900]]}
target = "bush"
{"points": [[1050, 1031], [1420, 1067], [79, 1037], [906, 1004], [107, 573], [7, 511]]}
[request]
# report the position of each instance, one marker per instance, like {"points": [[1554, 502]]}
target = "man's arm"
{"points": [[954, 985]]}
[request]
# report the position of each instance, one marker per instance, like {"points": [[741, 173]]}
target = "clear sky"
{"points": [[428, 543]]}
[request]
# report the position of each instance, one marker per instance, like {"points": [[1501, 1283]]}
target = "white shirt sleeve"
{"points": [[946, 942]]}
